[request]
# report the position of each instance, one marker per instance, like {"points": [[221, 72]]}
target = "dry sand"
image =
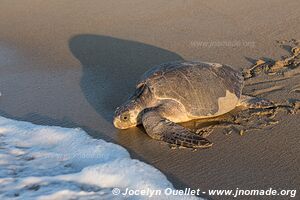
{"points": [[70, 63]]}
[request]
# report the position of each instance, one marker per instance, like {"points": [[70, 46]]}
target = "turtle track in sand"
{"points": [[273, 80]]}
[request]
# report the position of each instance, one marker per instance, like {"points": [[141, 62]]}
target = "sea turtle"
{"points": [[181, 91]]}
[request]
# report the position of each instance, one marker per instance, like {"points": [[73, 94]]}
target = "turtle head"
{"points": [[127, 115]]}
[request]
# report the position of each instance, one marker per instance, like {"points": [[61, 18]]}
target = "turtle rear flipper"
{"points": [[160, 128], [255, 102]]}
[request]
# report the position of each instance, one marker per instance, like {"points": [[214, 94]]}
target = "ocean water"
{"points": [[48, 162]]}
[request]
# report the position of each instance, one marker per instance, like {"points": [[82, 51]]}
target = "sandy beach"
{"points": [[71, 63]]}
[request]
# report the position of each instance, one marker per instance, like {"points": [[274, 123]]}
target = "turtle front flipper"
{"points": [[160, 128]]}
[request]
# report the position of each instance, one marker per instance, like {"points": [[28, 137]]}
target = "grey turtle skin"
{"points": [[182, 91]]}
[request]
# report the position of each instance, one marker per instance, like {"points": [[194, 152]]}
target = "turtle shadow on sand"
{"points": [[111, 67]]}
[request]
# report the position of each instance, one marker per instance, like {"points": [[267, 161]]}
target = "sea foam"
{"points": [[48, 162]]}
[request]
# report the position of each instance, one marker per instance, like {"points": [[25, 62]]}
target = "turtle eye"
{"points": [[125, 117]]}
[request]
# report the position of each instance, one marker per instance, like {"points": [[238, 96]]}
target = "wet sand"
{"points": [[72, 63]]}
